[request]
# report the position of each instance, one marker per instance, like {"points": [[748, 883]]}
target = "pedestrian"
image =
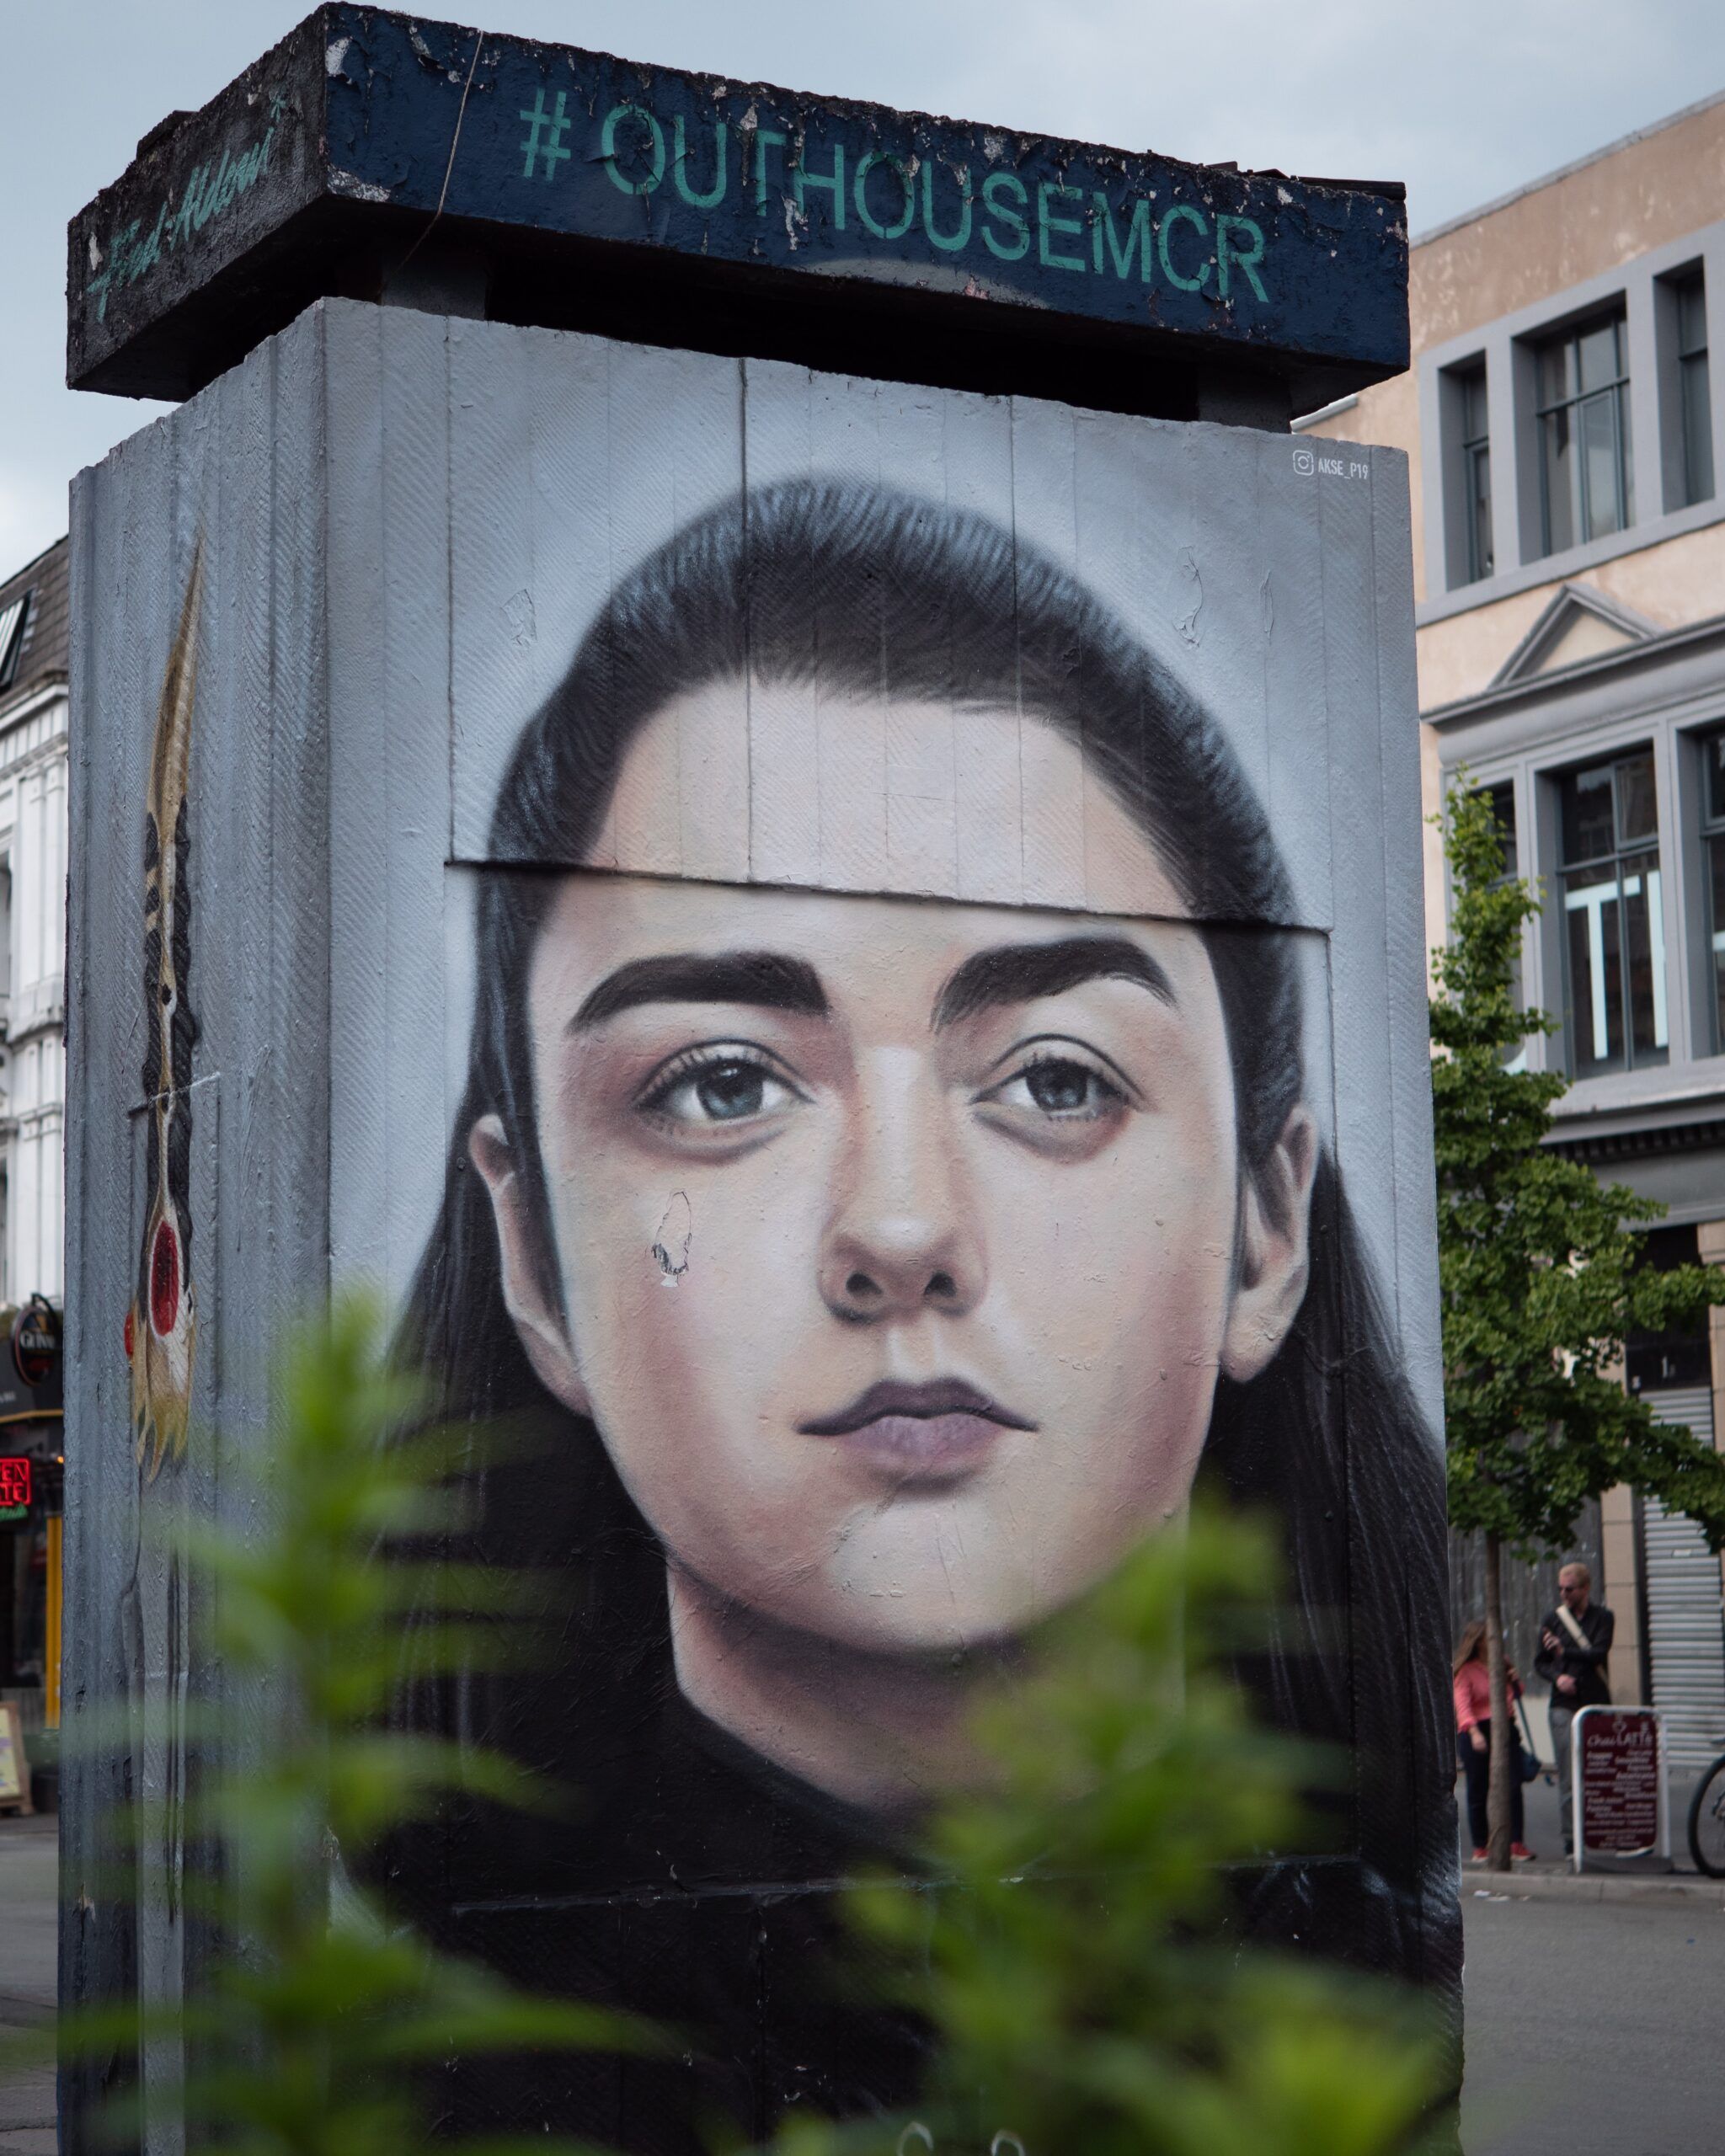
{"points": [[1575, 1639], [1473, 1739]]}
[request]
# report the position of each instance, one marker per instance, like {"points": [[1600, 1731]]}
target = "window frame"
{"points": [[14, 620], [1709, 826], [1474, 449], [1693, 364], [1614, 395], [1619, 865], [1640, 288]]}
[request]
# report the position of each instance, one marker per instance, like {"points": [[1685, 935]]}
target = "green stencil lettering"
{"points": [[1183, 213], [679, 153], [1248, 258], [834, 182], [948, 242], [1046, 224], [1005, 250], [865, 164], [1137, 232], [607, 147], [546, 130], [764, 138]]}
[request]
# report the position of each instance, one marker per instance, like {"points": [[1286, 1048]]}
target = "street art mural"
{"points": [[162, 1325], [865, 943]]}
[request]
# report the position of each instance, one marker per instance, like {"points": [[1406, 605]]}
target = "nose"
{"points": [[902, 1240]]}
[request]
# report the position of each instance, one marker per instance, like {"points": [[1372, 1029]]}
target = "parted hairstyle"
{"points": [[880, 592]]}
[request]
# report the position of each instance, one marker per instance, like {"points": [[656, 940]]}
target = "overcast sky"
{"points": [[1463, 99]]}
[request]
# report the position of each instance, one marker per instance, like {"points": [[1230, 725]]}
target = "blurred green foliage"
{"points": [[1062, 1942], [310, 2022], [1068, 1949]]}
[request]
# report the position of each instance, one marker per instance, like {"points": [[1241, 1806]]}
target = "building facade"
{"points": [[33, 646], [1560, 418]]}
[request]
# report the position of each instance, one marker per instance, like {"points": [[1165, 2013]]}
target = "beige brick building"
{"points": [[1560, 418]]}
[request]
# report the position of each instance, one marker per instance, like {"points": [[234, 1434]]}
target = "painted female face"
{"points": [[897, 1244]]}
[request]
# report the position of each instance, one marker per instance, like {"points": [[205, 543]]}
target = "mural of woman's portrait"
{"points": [[863, 1263], [845, 960]]}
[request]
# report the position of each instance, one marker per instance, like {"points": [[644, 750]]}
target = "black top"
{"points": [[709, 1900], [1586, 1665], [811, 224]]}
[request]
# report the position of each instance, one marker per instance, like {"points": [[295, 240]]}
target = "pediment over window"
{"points": [[1577, 623]]}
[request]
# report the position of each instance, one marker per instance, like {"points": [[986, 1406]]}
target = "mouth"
{"points": [[936, 1429]]}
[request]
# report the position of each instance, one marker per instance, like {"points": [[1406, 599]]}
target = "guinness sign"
{"points": [[32, 1386]]}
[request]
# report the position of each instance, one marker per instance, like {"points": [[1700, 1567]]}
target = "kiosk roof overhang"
{"points": [[379, 156]]}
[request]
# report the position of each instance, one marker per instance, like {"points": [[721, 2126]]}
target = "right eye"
{"points": [[713, 1088]]}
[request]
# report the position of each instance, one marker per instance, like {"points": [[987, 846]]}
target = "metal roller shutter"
{"points": [[1686, 1628]]}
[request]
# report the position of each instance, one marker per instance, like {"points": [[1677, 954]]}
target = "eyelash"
{"points": [[1046, 1058], [694, 1063], [691, 1064]]}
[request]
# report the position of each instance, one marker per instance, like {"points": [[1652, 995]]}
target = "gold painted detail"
{"points": [[161, 1326]]}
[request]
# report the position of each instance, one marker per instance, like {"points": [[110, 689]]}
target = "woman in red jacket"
{"points": [[1473, 1738]]}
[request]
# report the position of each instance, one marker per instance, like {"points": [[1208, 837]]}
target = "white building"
{"points": [[34, 643]]}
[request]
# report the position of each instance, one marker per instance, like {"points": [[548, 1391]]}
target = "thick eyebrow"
{"points": [[1019, 973], [768, 979]]}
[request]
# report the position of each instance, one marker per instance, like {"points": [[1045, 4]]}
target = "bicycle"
{"points": [[1706, 1821]]}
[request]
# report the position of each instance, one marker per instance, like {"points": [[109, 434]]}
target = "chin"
{"points": [[906, 1603]]}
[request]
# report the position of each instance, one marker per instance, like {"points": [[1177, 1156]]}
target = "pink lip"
{"points": [[940, 1427], [923, 1445]]}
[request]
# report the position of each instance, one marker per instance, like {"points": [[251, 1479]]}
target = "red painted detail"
{"points": [[164, 1279], [131, 1336]]}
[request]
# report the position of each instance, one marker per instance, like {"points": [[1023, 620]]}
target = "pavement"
{"points": [[1549, 1875], [29, 1859], [1592, 2002], [1592, 2026]]}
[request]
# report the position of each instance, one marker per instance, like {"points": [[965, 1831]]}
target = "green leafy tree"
{"points": [[1068, 1947], [1542, 1275]]}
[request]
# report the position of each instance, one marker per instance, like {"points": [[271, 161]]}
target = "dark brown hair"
{"points": [[881, 593]]}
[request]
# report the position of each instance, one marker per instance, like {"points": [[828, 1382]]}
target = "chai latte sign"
{"points": [[1619, 1784]]}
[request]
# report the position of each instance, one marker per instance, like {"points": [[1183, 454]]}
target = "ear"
{"points": [[1274, 1260], [538, 1320]]}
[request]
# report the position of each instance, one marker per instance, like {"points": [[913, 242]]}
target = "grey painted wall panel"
{"points": [[1415, 1272], [1364, 1132], [233, 474], [407, 525], [389, 633], [573, 458]]}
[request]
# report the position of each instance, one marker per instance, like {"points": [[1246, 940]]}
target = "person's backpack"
{"points": [[1530, 1761]]}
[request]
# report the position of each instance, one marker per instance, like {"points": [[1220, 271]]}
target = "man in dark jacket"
{"points": [[1575, 1639]]}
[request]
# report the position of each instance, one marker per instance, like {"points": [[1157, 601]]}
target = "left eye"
{"points": [[1057, 1086], [729, 1091]]}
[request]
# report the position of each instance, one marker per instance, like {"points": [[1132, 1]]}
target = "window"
{"points": [[1475, 473], [1614, 928], [1658, 1362], [1693, 392], [1586, 484], [12, 621], [1713, 844], [5, 933]]}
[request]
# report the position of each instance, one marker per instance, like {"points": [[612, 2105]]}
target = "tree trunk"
{"points": [[1498, 1794]]}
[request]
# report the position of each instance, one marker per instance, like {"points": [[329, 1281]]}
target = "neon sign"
{"points": [[14, 1488]]}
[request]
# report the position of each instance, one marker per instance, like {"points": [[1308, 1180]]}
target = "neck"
{"points": [[883, 1733]]}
